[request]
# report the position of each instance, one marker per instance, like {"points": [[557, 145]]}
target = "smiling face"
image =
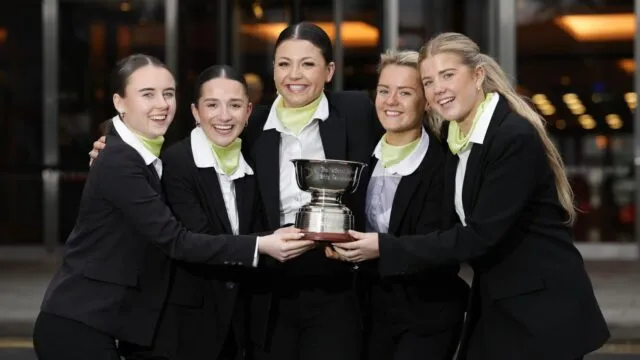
{"points": [[400, 102], [451, 88], [149, 103], [300, 72], [223, 110]]}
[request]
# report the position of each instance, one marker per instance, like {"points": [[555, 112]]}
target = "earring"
{"points": [[122, 115]]}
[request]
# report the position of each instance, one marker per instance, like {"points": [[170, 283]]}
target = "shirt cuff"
{"points": [[255, 254]]}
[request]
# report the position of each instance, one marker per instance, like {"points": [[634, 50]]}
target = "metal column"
{"points": [[338, 18], [502, 34], [390, 24], [171, 35], [50, 148]]}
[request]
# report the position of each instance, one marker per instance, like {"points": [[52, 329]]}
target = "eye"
{"points": [[406, 93], [283, 64], [427, 83], [169, 94], [236, 106], [212, 105], [447, 75], [147, 95], [308, 64], [383, 91]]}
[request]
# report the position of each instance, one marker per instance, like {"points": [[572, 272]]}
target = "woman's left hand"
{"points": [[364, 247]]}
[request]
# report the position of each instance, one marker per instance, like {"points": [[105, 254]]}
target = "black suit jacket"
{"points": [[428, 301], [203, 300], [531, 296], [115, 270], [349, 133]]}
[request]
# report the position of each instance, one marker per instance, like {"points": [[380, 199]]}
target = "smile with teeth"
{"points": [[158, 117], [296, 88], [223, 127], [445, 101], [392, 113]]}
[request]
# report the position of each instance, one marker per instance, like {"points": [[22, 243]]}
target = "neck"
{"points": [[466, 123], [404, 137]]}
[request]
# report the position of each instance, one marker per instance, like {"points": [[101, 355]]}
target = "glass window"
{"points": [[20, 122], [575, 61]]}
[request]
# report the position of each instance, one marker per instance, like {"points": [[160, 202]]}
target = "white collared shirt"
{"points": [[477, 137], [384, 184], [204, 158], [132, 140], [306, 145]]}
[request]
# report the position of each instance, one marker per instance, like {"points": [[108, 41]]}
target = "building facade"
{"points": [[575, 59]]}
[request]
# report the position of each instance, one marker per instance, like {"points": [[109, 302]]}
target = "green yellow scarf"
{"points": [[295, 119], [153, 145], [391, 155], [228, 157], [458, 141]]}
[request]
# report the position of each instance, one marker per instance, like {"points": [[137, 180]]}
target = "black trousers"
{"points": [[55, 338], [314, 324], [383, 344]]}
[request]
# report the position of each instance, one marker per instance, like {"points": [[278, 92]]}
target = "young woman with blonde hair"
{"points": [[508, 212]]}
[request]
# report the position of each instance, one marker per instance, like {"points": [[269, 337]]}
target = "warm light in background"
{"points": [[543, 104], [632, 100], [354, 33], [587, 122], [614, 121], [574, 104], [258, 12], [599, 27], [627, 65], [125, 6], [3, 35]]}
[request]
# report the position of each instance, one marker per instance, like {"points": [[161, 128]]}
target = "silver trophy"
{"points": [[325, 218]]}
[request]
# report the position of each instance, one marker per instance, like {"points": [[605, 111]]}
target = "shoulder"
{"points": [[117, 152], [516, 135]]}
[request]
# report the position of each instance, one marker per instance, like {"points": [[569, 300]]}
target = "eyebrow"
{"points": [[399, 87], [152, 89], [216, 99], [440, 72], [286, 58]]}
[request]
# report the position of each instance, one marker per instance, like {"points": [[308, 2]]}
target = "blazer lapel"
{"points": [[469, 186], [245, 192], [449, 190], [267, 160], [406, 188], [333, 133], [214, 196]]}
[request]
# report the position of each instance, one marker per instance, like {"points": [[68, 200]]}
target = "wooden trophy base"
{"points": [[327, 236]]}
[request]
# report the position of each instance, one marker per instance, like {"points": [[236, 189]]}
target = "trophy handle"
{"points": [[356, 178]]}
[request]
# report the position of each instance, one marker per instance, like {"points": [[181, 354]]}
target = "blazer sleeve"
{"points": [[508, 181], [124, 184], [180, 193]]}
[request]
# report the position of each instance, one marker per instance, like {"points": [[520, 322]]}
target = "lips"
{"points": [[392, 113], [222, 129], [445, 101]]}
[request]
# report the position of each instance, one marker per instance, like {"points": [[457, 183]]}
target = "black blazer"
{"points": [[531, 296], [428, 301], [349, 133], [203, 299], [115, 270]]}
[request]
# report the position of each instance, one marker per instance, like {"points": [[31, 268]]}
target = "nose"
{"points": [[161, 102], [437, 87], [295, 72], [392, 99], [225, 114]]}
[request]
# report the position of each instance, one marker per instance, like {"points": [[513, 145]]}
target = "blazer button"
{"points": [[230, 285]]}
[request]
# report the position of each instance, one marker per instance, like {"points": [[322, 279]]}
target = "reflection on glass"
{"points": [[576, 64], [20, 122]]}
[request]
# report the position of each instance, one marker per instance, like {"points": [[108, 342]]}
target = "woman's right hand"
{"points": [[284, 246], [98, 145]]}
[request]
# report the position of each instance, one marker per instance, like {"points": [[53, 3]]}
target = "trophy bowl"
{"points": [[325, 218]]}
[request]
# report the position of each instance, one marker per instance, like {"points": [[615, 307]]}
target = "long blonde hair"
{"points": [[497, 81], [410, 58]]}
